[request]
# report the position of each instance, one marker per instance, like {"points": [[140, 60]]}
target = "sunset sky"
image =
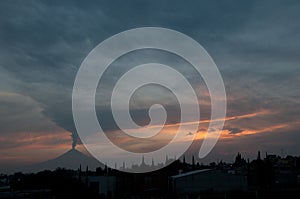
{"points": [[255, 44]]}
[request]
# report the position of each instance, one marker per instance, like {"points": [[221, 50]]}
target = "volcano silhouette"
{"points": [[72, 159]]}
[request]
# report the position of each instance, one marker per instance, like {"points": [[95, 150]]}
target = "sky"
{"points": [[255, 44]]}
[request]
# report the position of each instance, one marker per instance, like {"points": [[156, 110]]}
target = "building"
{"points": [[103, 185], [207, 180]]}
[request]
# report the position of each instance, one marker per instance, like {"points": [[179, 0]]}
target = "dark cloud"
{"points": [[189, 133], [22, 114], [234, 130]]}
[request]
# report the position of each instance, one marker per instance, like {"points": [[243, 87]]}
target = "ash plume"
{"points": [[74, 139]]}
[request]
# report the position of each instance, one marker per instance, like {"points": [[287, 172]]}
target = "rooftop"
{"points": [[190, 173]]}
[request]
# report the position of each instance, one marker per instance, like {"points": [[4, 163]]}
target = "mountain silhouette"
{"points": [[72, 159]]}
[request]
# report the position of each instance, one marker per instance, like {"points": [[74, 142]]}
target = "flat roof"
{"points": [[190, 173]]}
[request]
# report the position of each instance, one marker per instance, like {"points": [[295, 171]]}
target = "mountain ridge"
{"points": [[71, 159]]}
